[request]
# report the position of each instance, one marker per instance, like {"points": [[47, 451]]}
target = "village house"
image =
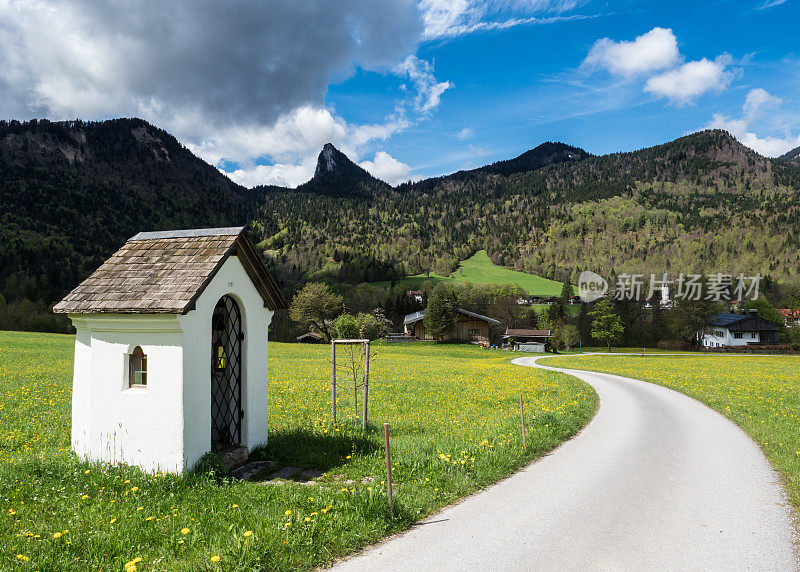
{"points": [[415, 295], [521, 335], [740, 330], [310, 338], [790, 317], [526, 339], [471, 327], [171, 350]]}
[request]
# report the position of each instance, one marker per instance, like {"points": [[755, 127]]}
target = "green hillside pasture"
{"points": [[761, 394], [480, 269], [455, 428]]}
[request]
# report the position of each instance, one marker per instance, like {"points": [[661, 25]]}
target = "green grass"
{"points": [[454, 424], [480, 269], [761, 394]]}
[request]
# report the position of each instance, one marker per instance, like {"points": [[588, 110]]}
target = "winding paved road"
{"points": [[656, 480]]}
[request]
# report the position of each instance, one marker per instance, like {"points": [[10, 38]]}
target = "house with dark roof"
{"points": [[740, 330], [471, 327], [524, 335], [171, 350], [310, 338]]}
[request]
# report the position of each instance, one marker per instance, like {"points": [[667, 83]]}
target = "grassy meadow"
{"points": [[454, 419], [480, 269], [761, 394]]}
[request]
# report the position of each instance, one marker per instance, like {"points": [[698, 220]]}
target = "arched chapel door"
{"points": [[226, 375]]}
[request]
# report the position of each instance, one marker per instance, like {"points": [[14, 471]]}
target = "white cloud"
{"points": [[771, 4], [429, 89], [691, 80], [450, 18], [756, 103], [387, 168], [466, 133], [655, 56], [281, 174], [292, 143], [757, 100], [653, 51]]}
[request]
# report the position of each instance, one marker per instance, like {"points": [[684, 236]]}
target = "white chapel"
{"points": [[171, 349]]}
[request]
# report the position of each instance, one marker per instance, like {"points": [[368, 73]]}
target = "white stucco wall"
{"points": [[232, 280], [711, 339], [167, 425], [119, 424]]}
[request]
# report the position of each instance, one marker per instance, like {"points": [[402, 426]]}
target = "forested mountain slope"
{"points": [[72, 192], [701, 203]]}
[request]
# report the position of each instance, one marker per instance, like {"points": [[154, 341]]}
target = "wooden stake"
{"points": [[388, 468], [366, 382], [333, 380], [522, 419]]}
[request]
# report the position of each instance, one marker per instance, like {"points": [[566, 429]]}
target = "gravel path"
{"points": [[656, 480]]}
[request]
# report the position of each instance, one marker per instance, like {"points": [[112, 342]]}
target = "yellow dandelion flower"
{"points": [[248, 533], [215, 559], [185, 531], [57, 535]]}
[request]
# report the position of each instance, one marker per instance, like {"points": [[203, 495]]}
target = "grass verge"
{"points": [[454, 416], [761, 394]]}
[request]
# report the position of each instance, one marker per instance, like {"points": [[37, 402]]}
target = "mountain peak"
{"points": [[336, 175], [329, 158], [545, 154]]}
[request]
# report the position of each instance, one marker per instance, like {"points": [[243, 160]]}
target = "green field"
{"points": [[480, 269], [761, 394], [453, 411]]}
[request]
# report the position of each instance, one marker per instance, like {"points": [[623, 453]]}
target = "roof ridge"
{"points": [[188, 233]]}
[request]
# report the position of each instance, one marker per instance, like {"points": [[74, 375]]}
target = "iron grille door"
{"points": [[226, 375]]}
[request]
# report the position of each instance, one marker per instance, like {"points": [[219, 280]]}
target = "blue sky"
{"points": [[407, 88], [515, 88]]}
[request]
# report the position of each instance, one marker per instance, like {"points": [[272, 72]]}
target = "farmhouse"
{"points": [[740, 330], [790, 317], [171, 349], [525, 335], [471, 327], [310, 338]]}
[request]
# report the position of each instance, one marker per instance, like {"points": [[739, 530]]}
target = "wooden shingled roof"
{"points": [[165, 273]]}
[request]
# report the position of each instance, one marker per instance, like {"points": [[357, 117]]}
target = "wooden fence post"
{"points": [[333, 379], [388, 468], [366, 382], [522, 419]]}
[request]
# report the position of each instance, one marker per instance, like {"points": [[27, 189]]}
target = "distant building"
{"points": [[310, 338], [523, 335], [741, 330], [471, 327], [790, 317], [415, 294]]}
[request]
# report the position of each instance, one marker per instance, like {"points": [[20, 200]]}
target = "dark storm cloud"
{"points": [[188, 62]]}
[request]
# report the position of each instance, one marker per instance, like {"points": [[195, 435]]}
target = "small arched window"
{"points": [[138, 368]]}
